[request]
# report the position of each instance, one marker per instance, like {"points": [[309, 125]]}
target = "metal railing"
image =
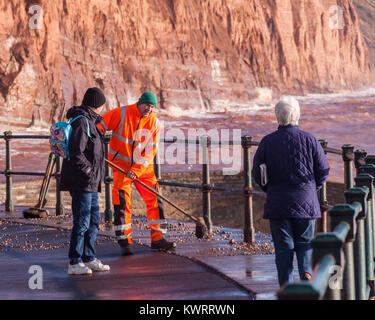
{"points": [[349, 249], [343, 259], [8, 172], [206, 187]]}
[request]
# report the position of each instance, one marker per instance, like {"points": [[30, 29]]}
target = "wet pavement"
{"points": [[219, 268]]}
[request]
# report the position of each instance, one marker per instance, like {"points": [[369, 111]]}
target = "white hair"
{"points": [[287, 111]]}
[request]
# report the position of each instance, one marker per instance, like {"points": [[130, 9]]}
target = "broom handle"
{"points": [[153, 191], [43, 189], [49, 169]]}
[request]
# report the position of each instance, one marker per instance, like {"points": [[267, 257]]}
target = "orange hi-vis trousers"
{"points": [[121, 197]]}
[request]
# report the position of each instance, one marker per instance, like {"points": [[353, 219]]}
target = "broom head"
{"points": [[33, 213], [200, 228]]}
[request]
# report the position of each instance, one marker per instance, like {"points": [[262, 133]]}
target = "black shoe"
{"points": [[163, 245], [127, 250]]}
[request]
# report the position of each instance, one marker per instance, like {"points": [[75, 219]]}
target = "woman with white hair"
{"points": [[290, 166]]}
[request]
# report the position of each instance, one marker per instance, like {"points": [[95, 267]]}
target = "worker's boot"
{"points": [[127, 251], [163, 245], [126, 248]]}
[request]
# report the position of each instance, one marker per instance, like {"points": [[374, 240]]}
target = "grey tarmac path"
{"points": [[219, 268]]}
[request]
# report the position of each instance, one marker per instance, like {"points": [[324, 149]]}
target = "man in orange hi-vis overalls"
{"points": [[135, 139]]}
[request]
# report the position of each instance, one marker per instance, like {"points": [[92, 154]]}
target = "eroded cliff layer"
{"points": [[193, 54], [366, 14]]}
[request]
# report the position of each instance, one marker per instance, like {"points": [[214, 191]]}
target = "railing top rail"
{"points": [[313, 289], [337, 235], [185, 141], [197, 141], [165, 140], [22, 173], [333, 150], [24, 136]]}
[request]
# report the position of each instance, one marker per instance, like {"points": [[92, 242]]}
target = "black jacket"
{"points": [[85, 169]]}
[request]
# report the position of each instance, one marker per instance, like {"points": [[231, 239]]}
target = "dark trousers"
{"points": [[289, 236], [86, 219]]}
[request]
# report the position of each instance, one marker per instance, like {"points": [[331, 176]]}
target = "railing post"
{"points": [[359, 195], [9, 205], [366, 179], [248, 231], [348, 165], [59, 200], [347, 213], [108, 211], [359, 156], [331, 243], [371, 160], [322, 195], [206, 192]]}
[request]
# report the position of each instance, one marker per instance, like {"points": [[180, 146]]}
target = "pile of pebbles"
{"points": [[222, 242], [18, 236], [12, 236]]}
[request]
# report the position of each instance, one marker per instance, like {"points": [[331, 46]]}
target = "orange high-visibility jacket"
{"points": [[135, 139]]}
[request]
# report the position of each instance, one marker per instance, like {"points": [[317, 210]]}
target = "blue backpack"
{"points": [[60, 135]]}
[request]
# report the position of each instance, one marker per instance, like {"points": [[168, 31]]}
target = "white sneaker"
{"points": [[79, 268], [97, 265]]}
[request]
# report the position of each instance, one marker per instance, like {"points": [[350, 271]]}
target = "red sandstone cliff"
{"points": [[191, 53], [366, 13]]}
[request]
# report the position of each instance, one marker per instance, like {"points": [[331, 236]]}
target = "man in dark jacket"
{"points": [[296, 167], [81, 175]]}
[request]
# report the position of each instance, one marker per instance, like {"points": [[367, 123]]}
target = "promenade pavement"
{"points": [[219, 268]]}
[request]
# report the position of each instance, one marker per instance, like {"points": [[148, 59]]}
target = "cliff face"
{"points": [[366, 14], [193, 54]]}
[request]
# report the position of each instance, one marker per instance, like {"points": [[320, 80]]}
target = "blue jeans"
{"points": [[291, 235], [86, 219]]}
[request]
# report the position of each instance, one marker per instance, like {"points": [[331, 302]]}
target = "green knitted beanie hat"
{"points": [[148, 97]]}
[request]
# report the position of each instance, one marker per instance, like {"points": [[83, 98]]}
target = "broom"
{"points": [[38, 211], [200, 226]]}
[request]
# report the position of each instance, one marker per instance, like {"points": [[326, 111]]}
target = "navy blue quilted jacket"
{"points": [[296, 168]]}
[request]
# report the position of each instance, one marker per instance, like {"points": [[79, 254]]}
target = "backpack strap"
{"points": [[88, 125]]}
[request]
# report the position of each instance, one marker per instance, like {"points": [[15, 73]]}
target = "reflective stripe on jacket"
{"points": [[135, 138]]}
